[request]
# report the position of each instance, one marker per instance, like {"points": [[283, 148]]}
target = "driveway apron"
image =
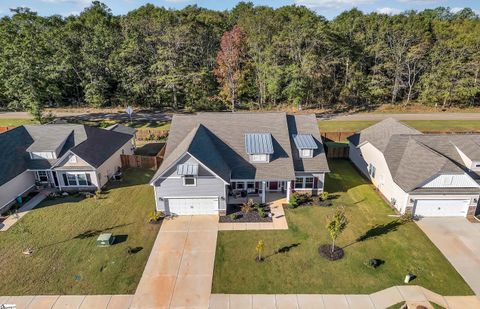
{"points": [[179, 270], [459, 241]]}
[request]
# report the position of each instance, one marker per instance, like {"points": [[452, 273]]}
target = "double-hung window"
{"points": [[77, 179], [308, 182], [304, 182]]}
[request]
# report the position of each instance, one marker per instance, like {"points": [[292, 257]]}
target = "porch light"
{"points": [[412, 201], [475, 200]]}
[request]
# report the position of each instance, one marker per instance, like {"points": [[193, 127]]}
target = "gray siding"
{"points": [[207, 186]]}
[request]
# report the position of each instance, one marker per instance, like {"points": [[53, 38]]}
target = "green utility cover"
{"points": [[105, 240]]}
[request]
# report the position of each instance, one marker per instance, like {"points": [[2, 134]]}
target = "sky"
{"points": [[327, 8]]}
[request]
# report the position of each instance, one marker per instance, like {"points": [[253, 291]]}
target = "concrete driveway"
{"points": [[459, 241], [179, 271]]}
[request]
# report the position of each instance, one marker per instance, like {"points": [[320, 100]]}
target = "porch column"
{"points": [[264, 188], [289, 185]]}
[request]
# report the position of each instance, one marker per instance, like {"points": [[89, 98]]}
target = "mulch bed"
{"points": [[252, 216], [326, 252]]}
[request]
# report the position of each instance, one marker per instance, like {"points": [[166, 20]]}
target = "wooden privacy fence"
{"points": [[151, 134], [336, 136], [336, 150], [5, 129], [141, 161]]}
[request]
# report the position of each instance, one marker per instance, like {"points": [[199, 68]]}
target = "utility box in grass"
{"points": [[105, 240]]}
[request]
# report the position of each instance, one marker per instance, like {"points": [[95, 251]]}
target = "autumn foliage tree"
{"points": [[229, 58]]}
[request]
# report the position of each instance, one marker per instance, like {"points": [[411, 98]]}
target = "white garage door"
{"points": [[193, 206], [441, 208]]}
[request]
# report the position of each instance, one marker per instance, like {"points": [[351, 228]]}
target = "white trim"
{"points": [[152, 183], [189, 177]]}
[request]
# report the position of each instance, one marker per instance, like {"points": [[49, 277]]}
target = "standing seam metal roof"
{"points": [[258, 143], [304, 141]]}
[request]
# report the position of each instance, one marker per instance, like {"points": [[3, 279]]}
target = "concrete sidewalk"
{"points": [[379, 300], [179, 271], [69, 301], [22, 211]]}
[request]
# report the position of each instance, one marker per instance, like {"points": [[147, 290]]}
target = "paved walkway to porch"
{"points": [[279, 222], [22, 211]]}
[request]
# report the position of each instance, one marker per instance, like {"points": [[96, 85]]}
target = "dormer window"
{"points": [[305, 144], [259, 147]]}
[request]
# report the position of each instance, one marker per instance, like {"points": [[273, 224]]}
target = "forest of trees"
{"points": [[248, 57]]}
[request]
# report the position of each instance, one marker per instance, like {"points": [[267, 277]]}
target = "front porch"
{"points": [[270, 197]]}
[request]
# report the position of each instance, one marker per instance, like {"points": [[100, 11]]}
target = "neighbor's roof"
{"points": [[258, 143], [218, 140], [93, 145], [379, 134], [415, 158], [122, 129]]}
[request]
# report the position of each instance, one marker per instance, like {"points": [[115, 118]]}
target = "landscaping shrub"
{"points": [[261, 212], [373, 263], [234, 216], [323, 196], [407, 217], [248, 206], [298, 199], [156, 216]]}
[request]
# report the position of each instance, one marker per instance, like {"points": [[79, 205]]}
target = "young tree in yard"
{"points": [[337, 224], [229, 62], [259, 248]]}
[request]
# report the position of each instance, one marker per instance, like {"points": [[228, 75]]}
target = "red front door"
{"points": [[273, 185]]}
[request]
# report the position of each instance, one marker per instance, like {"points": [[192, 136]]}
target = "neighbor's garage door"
{"points": [[193, 206], [441, 208]]}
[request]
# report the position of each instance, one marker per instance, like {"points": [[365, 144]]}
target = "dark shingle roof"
{"points": [[99, 145], [91, 144], [307, 124], [379, 134], [194, 143], [225, 150], [13, 155], [414, 158], [122, 129]]}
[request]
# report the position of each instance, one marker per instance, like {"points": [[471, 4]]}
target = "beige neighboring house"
{"points": [[67, 157], [429, 175]]}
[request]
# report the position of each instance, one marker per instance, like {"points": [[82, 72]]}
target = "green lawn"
{"points": [[421, 125], [10, 122], [403, 247], [63, 232]]}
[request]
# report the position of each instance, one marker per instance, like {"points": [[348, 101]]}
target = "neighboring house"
{"points": [[124, 129], [428, 175], [215, 159], [63, 156]]}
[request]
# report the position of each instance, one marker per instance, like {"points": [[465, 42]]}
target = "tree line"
{"points": [[250, 57]]}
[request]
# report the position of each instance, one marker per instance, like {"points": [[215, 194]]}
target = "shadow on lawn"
{"points": [[283, 249], [378, 230], [89, 234]]}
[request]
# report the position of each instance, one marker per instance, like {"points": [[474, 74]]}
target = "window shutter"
{"points": [[89, 180], [65, 182]]}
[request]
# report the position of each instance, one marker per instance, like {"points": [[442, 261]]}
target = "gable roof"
{"points": [[414, 158], [194, 143], [379, 134], [224, 151], [93, 145]]}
